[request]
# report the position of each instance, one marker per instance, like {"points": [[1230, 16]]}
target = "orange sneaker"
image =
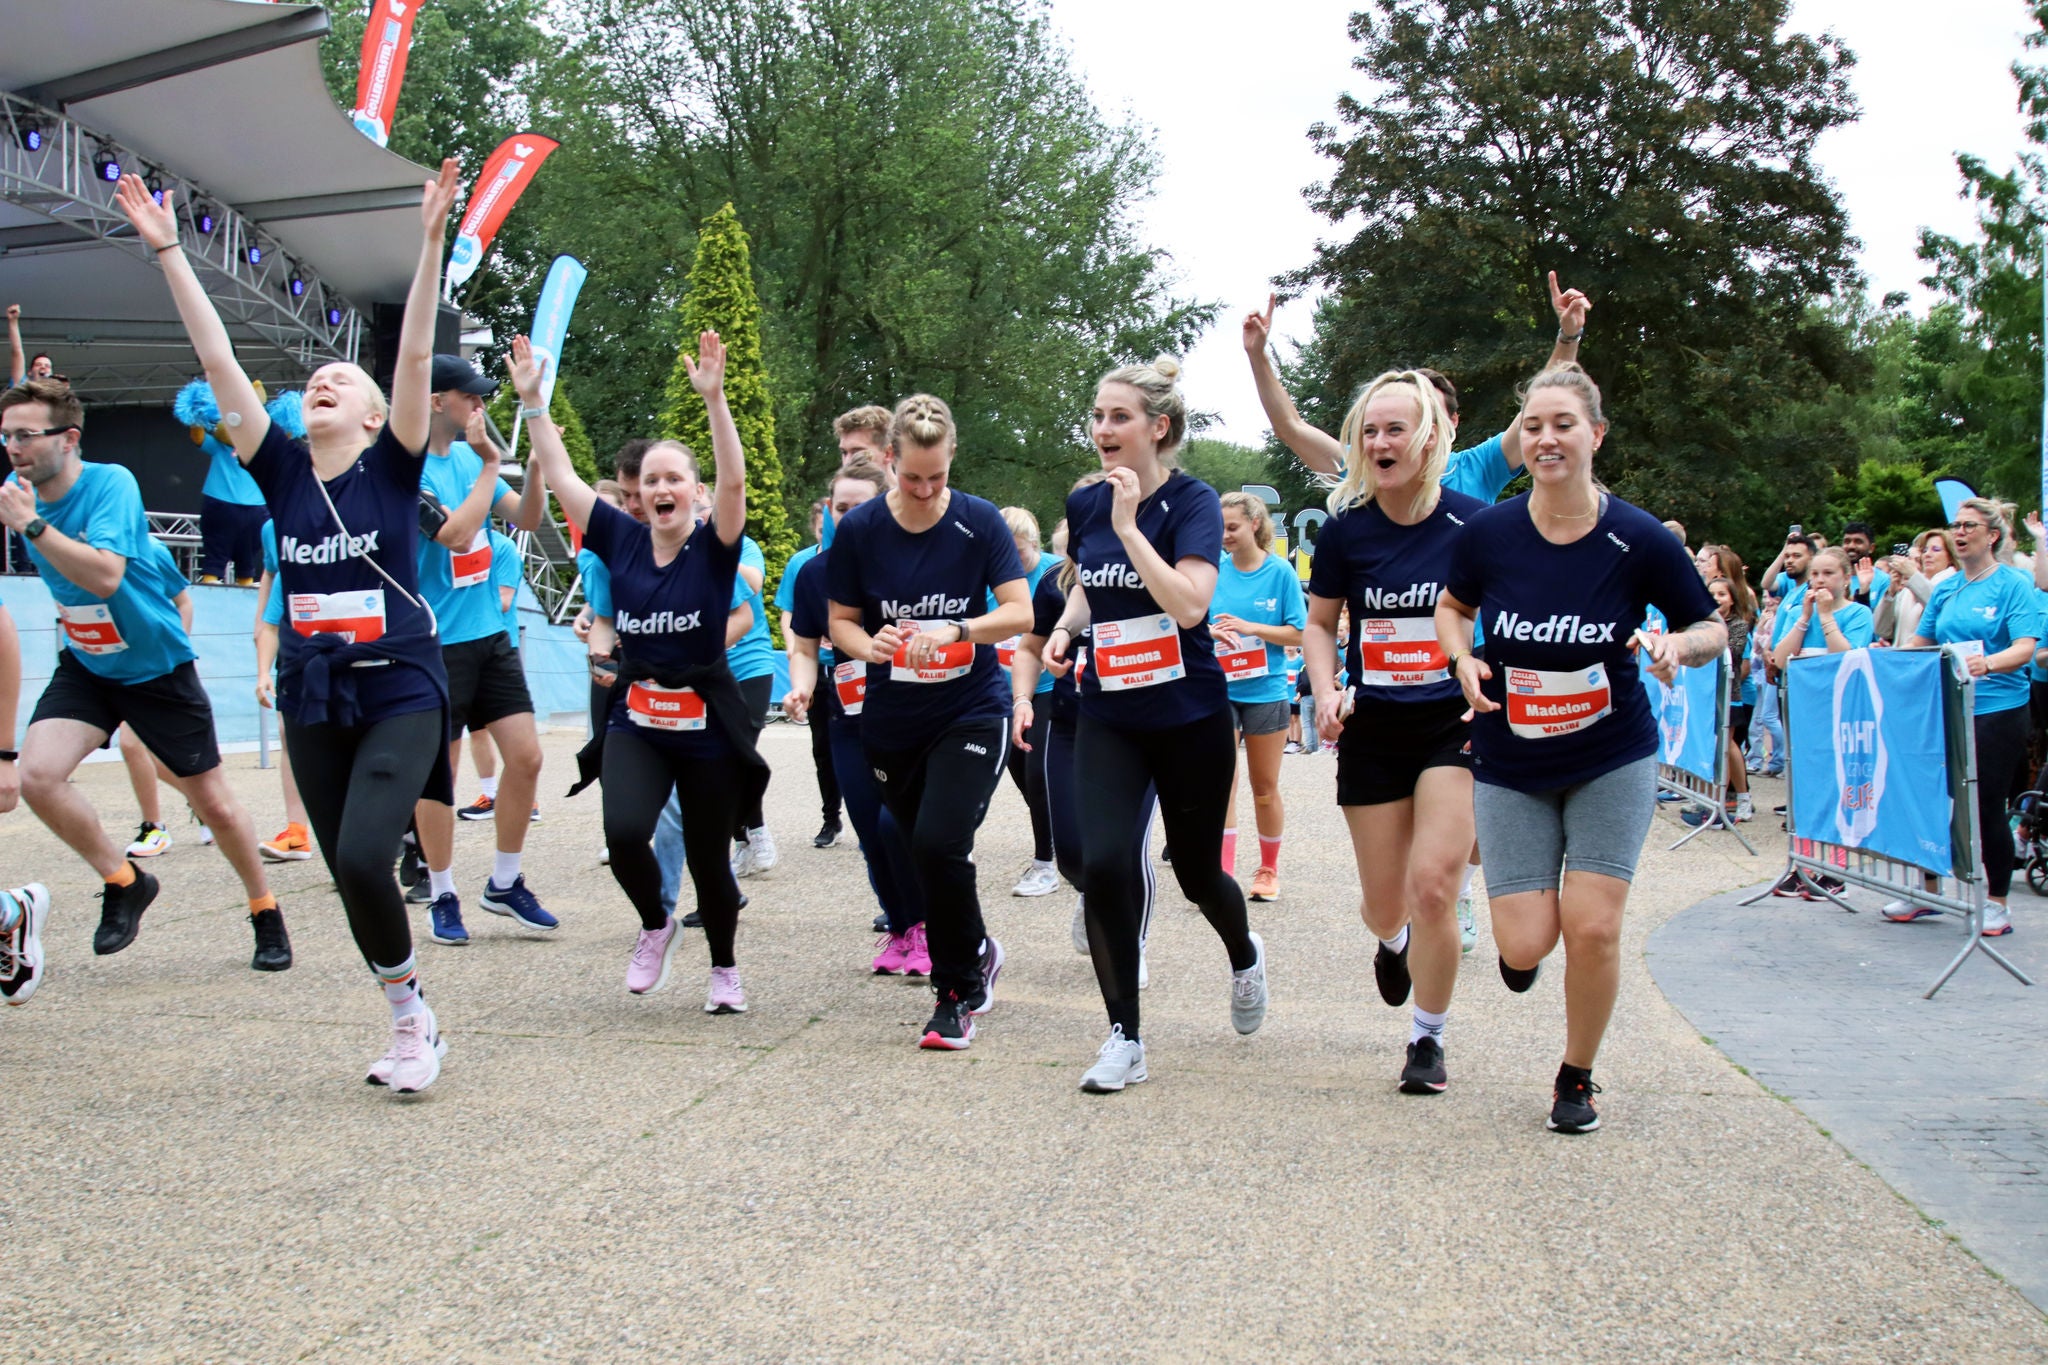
{"points": [[1265, 885], [480, 809], [291, 846]]}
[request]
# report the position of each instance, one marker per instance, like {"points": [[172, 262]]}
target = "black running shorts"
{"points": [[486, 683], [169, 714], [1385, 746]]}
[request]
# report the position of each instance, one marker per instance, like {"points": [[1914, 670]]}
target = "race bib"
{"points": [[1400, 651], [947, 663], [1006, 651], [1962, 651], [850, 681], [90, 629], [1543, 705], [472, 566], [1244, 664], [357, 617], [654, 707], [1141, 652]]}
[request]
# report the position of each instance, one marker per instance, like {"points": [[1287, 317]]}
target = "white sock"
{"points": [[441, 883], [1465, 887], [504, 869], [490, 786], [1427, 1025], [401, 988], [1398, 941], [1037, 863]]}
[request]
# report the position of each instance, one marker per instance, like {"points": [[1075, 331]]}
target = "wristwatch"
{"points": [[8, 755], [35, 528], [960, 626]]}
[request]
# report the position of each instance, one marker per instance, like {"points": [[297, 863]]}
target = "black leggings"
{"points": [[1738, 723], [939, 795], [2001, 757], [360, 783], [821, 758], [754, 691], [638, 777], [1056, 766], [1028, 772], [1192, 767]]}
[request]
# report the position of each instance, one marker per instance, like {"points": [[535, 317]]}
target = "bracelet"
{"points": [[527, 414], [1455, 658], [8, 755], [1573, 338], [172, 246]]}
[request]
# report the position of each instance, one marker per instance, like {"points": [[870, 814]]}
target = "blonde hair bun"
{"points": [[1168, 367]]}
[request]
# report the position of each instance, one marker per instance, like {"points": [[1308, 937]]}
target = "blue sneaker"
{"points": [[446, 916], [519, 903]]}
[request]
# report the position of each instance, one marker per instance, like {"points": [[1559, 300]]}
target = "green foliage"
{"points": [[1897, 499], [504, 410], [721, 299], [1659, 157]]}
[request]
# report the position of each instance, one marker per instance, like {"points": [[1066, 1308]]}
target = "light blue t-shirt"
{"points": [[2035, 671], [785, 591], [1269, 595], [754, 655], [508, 570], [1790, 596], [135, 635], [1854, 620], [468, 612], [1999, 608], [227, 479], [1479, 471], [1046, 564], [273, 607], [597, 582]]}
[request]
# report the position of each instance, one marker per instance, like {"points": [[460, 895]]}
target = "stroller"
{"points": [[2030, 838]]}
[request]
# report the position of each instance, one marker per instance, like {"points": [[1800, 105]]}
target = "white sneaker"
{"points": [[1248, 993], [414, 1061], [743, 864], [1144, 969], [21, 948], [1080, 926], [1997, 920], [1745, 809], [1039, 879], [604, 857], [762, 844], [1468, 924], [205, 834], [1119, 1063]]}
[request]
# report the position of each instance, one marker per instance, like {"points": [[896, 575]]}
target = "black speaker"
{"points": [[380, 356]]}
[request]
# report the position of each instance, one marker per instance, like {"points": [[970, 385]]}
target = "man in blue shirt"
{"points": [[819, 719], [486, 682], [127, 658]]}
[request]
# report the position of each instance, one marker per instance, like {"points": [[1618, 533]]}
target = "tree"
{"points": [[721, 299], [1658, 155]]}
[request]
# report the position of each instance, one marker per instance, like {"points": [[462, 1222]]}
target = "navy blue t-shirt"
{"points": [[1391, 575], [1557, 621], [670, 617], [842, 683], [327, 586], [943, 574], [1048, 604], [1158, 674]]}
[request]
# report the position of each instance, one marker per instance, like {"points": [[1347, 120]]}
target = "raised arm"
{"points": [[549, 454], [707, 377], [1318, 450], [412, 379], [1571, 308], [467, 517], [17, 359], [240, 405]]}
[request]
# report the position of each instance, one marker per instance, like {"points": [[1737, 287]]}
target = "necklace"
{"points": [[1574, 516]]}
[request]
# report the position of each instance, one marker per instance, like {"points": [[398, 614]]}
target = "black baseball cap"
{"points": [[453, 372]]}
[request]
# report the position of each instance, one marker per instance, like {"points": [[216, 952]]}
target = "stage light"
{"points": [[31, 138], [155, 185], [254, 254], [334, 316], [106, 165], [203, 219], [295, 286]]}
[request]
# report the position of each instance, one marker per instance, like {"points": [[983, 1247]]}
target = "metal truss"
{"points": [[245, 270]]}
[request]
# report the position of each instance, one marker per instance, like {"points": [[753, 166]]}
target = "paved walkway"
{"points": [[193, 1168], [1947, 1099]]}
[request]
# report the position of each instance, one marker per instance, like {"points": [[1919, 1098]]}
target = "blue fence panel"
{"points": [[1869, 754]]}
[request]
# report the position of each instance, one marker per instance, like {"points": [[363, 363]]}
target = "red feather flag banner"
{"points": [[506, 175], [387, 41]]}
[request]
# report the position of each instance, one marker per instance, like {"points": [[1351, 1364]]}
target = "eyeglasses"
{"points": [[15, 438], [1969, 526]]}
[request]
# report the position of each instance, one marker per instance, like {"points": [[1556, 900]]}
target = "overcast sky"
{"points": [[1231, 103]]}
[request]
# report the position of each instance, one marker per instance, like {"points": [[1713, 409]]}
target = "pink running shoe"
{"points": [[726, 997], [893, 954], [414, 1061], [917, 952], [652, 952]]}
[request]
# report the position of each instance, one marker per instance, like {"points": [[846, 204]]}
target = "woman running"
{"points": [[906, 572], [1564, 745], [1404, 775], [1990, 610], [360, 688], [903, 949], [677, 724], [1155, 709], [1256, 615]]}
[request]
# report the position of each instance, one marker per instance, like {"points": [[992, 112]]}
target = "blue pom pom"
{"points": [[195, 406], [287, 410]]}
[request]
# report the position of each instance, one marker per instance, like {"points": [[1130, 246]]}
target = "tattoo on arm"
{"points": [[1701, 642]]}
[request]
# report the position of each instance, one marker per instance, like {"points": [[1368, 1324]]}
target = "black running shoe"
{"points": [[1826, 883], [420, 891], [1390, 969], [1790, 887], [1424, 1074], [983, 999], [1518, 979], [693, 920], [410, 868], [1571, 1106], [121, 910], [951, 1028], [827, 836], [881, 925], [273, 945]]}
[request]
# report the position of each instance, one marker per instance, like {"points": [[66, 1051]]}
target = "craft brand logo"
{"points": [[1112, 576], [657, 623], [1556, 629], [332, 550], [963, 530], [1414, 595], [930, 607], [1618, 541]]}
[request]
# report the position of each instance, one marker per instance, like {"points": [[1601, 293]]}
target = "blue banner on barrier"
{"points": [[1686, 719], [1869, 759]]}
